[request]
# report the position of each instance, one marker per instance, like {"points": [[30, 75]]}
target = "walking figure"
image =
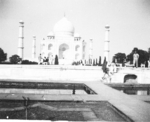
{"points": [[105, 69], [40, 59]]}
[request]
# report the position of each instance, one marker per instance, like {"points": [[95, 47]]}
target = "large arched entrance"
{"points": [[63, 51], [77, 48], [50, 47]]}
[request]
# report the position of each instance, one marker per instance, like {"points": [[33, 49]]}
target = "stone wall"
{"points": [[143, 75], [70, 73], [47, 72]]}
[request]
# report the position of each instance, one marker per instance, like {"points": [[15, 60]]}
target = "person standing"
{"points": [[135, 59], [45, 61], [40, 59]]}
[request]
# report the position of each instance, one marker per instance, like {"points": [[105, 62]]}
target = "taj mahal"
{"points": [[63, 42]]}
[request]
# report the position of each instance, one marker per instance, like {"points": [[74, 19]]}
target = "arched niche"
{"points": [[77, 47], [63, 51], [50, 46]]}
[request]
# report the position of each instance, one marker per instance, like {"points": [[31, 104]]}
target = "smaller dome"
{"points": [[77, 35], [107, 26], [21, 21], [50, 34], [34, 36]]}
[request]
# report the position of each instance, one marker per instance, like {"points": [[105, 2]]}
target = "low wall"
{"points": [[49, 72], [69, 73], [143, 75]]}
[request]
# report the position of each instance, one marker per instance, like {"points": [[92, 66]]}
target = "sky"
{"points": [[129, 22]]}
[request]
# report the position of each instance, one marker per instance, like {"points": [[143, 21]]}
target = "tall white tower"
{"points": [[91, 51], [106, 43], [20, 40], [34, 48]]}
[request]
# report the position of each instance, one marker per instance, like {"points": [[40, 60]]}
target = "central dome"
{"points": [[64, 27]]}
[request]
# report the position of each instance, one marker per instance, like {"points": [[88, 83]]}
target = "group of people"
{"points": [[46, 60]]}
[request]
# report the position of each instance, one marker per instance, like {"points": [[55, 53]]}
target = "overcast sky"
{"points": [[129, 22]]}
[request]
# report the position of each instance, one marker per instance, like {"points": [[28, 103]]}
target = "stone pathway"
{"points": [[135, 109]]}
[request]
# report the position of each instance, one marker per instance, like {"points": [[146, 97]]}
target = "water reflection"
{"points": [[135, 92]]}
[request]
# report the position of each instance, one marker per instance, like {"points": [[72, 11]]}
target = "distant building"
{"points": [[64, 43]]}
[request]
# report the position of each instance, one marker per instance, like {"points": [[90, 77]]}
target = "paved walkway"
{"points": [[135, 109]]}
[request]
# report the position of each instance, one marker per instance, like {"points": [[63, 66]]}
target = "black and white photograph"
{"points": [[75, 60]]}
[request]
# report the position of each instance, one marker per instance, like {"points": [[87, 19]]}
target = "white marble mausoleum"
{"points": [[63, 42]]}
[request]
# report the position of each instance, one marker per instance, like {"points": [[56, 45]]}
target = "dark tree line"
{"points": [[90, 62]]}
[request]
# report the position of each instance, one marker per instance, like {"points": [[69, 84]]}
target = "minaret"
{"points": [[106, 43], [91, 51], [34, 48], [20, 40]]}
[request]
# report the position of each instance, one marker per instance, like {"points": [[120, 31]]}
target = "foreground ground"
{"points": [[71, 111]]}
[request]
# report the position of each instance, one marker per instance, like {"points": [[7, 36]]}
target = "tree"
{"points": [[113, 59], [56, 60], [15, 59], [3, 56], [130, 56], [81, 62], [149, 52], [25, 62], [120, 57], [143, 56], [99, 61], [90, 61], [94, 62], [85, 62], [28, 62]]}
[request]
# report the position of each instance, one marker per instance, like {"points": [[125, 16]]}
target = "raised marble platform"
{"points": [[70, 73], [50, 72]]}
